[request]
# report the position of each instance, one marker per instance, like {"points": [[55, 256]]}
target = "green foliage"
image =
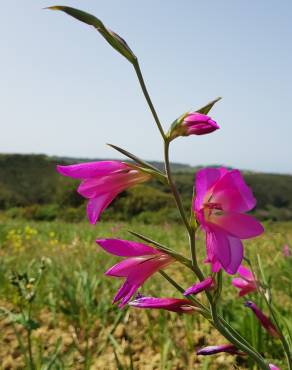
{"points": [[72, 305], [31, 188]]}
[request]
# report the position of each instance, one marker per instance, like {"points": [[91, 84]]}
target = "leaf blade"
{"points": [[116, 41]]}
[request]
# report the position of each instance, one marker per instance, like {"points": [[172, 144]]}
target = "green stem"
{"points": [[282, 337], [284, 342], [21, 345], [173, 186], [30, 349], [192, 243], [147, 97], [234, 340], [29, 344]]}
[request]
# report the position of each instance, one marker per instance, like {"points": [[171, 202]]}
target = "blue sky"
{"points": [[64, 91]]}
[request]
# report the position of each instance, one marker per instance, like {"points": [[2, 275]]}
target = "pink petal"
{"points": [[212, 350], [236, 248], [199, 287], [242, 200], [218, 248], [239, 283], [238, 224], [264, 320], [230, 200], [194, 117], [91, 169], [245, 273], [225, 249], [115, 182], [93, 187], [126, 290], [128, 296], [273, 367], [247, 290], [205, 180], [169, 304], [147, 268], [125, 267], [96, 206], [126, 248], [138, 273]]}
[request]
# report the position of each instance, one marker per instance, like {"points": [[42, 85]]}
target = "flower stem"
{"points": [[147, 97], [173, 186], [219, 324], [282, 337], [237, 342], [260, 290]]}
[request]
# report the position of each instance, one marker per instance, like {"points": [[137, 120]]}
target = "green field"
{"points": [[76, 326]]}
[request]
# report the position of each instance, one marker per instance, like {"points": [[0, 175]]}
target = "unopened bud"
{"points": [[192, 123]]}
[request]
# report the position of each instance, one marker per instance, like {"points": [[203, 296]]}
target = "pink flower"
{"points": [[246, 283], [102, 182], [263, 319], [192, 123], [211, 350], [273, 367], [199, 287], [222, 197], [169, 304], [287, 251], [142, 262]]}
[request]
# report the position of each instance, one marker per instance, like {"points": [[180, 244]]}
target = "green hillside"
{"points": [[31, 187]]}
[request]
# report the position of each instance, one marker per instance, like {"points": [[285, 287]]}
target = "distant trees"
{"points": [[30, 187]]}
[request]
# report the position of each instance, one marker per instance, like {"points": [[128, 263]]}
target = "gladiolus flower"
{"points": [[169, 304], [273, 367], [192, 123], [263, 319], [142, 262], [287, 251], [199, 287], [212, 350], [222, 197], [102, 182], [246, 283]]}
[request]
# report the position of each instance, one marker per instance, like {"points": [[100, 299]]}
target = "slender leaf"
{"points": [[111, 37], [177, 256], [135, 158], [206, 109]]}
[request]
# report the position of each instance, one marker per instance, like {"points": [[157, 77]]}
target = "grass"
{"points": [[77, 327]]}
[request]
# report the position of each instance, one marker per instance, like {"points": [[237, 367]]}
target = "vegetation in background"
{"points": [[74, 325], [31, 188]]}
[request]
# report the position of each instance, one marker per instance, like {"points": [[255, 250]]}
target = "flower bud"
{"points": [[192, 123], [212, 350], [263, 319], [201, 286]]}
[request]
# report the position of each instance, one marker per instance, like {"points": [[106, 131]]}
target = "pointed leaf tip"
{"points": [[206, 109], [55, 7], [116, 41]]}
